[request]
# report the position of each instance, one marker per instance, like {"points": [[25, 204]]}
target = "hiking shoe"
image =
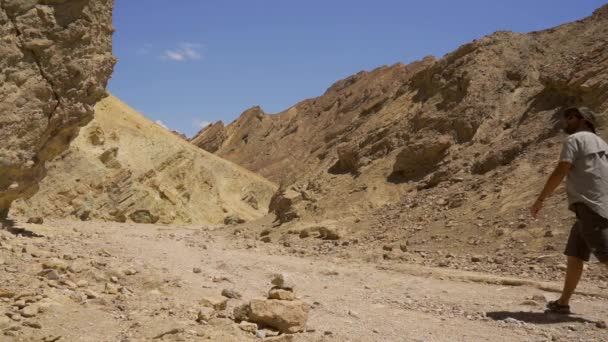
{"points": [[555, 307]]}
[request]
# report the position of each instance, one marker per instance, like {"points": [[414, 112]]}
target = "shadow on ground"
{"points": [[9, 226], [536, 317]]}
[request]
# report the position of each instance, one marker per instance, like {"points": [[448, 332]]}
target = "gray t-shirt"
{"points": [[587, 181]]}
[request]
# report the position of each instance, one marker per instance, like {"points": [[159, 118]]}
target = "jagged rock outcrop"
{"points": [[55, 61], [211, 137], [124, 167], [477, 109]]}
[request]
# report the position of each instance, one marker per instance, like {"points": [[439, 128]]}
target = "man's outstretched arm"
{"points": [[553, 182]]}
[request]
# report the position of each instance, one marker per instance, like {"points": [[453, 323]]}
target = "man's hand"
{"points": [[536, 207], [561, 170]]}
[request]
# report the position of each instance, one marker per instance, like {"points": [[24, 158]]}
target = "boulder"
{"points": [[421, 158], [143, 216], [205, 314], [286, 316], [283, 205], [241, 312], [233, 220], [349, 159], [109, 158], [35, 220], [282, 281], [281, 294], [217, 303], [55, 61]]}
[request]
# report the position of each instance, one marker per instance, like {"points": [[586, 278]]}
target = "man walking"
{"points": [[584, 160]]}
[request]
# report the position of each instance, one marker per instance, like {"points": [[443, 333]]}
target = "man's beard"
{"points": [[569, 129]]}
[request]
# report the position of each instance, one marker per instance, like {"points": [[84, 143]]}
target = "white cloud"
{"points": [[162, 124], [201, 123], [184, 52]]}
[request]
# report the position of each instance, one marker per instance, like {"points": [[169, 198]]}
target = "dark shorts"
{"points": [[588, 235]]}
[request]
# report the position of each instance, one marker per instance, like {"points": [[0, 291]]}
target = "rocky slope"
{"points": [[429, 130], [125, 167], [55, 60]]}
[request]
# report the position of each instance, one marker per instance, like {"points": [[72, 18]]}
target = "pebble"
{"points": [[197, 270], [91, 294], [601, 324], [130, 272], [52, 338], [34, 325], [248, 327], [260, 334], [30, 311], [282, 281], [231, 294], [205, 314]]}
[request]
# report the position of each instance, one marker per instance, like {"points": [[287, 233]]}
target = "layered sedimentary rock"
{"points": [[55, 61], [124, 167]]}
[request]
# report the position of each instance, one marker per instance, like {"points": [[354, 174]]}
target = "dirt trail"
{"points": [[351, 301]]}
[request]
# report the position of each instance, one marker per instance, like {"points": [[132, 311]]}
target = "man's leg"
{"points": [[574, 271]]}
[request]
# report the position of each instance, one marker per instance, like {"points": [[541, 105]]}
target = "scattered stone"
{"points": [[403, 247], [5, 322], [197, 270], [30, 311], [530, 302], [34, 325], [218, 303], [56, 264], [549, 233], [266, 239], [91, 294], [241, 312], [231, 294], [35, 220], [286, 316], [601, 324], [282, 338], [233, 220], [52, 338], [540, 298], [281, 294], [282, 281], [205, 314], [6, 293], [130, 272], [387, 248], [82, 283], [50, 274], [15, 317], [143, 216], [248, 327], [511, 320], [174, 331], [476, 258], [304, 234], [111, 288]]}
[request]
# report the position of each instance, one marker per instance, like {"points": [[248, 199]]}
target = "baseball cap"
{"points": [[584, 113]]}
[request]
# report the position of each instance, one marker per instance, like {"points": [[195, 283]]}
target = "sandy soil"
{"points": [[128, 282]]}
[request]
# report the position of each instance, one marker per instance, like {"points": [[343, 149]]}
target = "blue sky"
{"points": [[190, 62]]}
